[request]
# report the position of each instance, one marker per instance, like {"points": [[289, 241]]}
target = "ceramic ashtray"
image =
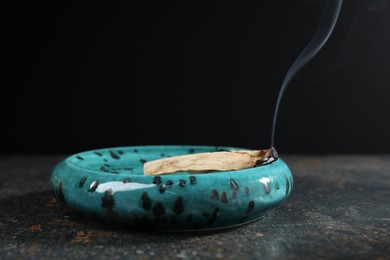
{"points": [[109, 185]]}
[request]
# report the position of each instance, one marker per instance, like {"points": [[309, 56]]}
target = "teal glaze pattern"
{"points": [[109, 185]]}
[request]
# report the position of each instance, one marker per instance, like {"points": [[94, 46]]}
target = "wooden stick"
{"points": [[206, 162]]}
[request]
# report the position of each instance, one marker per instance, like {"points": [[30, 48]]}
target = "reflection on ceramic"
{"points": [[109, 185]]}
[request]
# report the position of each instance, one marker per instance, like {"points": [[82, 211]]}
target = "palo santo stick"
{"points": [[216, 161]]}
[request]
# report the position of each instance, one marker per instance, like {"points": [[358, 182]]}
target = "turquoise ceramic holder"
{"points": [[109, 185]]}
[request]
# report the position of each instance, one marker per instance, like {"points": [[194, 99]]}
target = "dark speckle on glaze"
{"points": [[158, 210], [146, 203], [213, 217], [214, 195], [251, 205], [234, 184], [162, 155], [102, 168], [182, 183], [224, 197], [244, 218], [80, 158], [246, 190], [169, 183], [108, 200], [98, 154], [142, 160], [93, 186], [157, 180], [120, 152], [114, 155], [82, 181], [191, 151], [179, 206], [127, 180], [192, 180], [277, 186], [162, 188], [135, 150]]}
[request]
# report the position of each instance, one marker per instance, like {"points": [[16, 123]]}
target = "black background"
{"points": [[83, 76]]}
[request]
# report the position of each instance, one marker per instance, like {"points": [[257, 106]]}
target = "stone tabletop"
{"points": [[339, 208]]}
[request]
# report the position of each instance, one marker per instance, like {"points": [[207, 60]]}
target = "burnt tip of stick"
{"points": [[270, 155], [274, 153]]}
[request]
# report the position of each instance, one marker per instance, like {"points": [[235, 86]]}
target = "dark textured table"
{"points": [[339, 208]]}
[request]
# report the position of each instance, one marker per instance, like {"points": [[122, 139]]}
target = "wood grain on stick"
{"points": [[205, 162]]}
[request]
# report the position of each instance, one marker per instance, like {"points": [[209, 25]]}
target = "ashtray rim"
{"points": [[76, 166]]}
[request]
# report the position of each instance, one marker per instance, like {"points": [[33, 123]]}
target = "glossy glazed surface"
{"points": [[109, 185]]}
